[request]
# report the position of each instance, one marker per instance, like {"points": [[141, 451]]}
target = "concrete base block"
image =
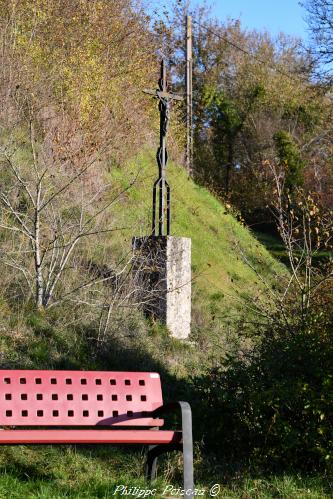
{"points": [[162, 273]]}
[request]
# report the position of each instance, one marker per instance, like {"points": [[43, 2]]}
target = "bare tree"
{"points": [[320, 21], [306, 229], [49, 205]]}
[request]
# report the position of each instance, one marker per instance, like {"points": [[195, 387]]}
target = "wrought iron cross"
{"points": [[161, 185]]}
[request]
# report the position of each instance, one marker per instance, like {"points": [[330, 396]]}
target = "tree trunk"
{"points": [[38, 262], [228, 168]]}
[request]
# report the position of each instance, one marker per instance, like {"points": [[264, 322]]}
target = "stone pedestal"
{"points": [[162, 275]]}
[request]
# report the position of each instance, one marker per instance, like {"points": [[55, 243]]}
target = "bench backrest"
{"points": [[79, 398]]}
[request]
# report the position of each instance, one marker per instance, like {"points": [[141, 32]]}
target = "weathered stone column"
{"points": [[162, 274]]}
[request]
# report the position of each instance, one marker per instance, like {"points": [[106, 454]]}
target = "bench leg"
{"points": [[187, 450], [151, 463], [153, 452], [186, 447]]}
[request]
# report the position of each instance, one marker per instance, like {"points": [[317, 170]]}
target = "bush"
{"points": [[274, 404]]}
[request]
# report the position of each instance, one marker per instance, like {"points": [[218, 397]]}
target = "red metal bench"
{"points": [[102, 404]]}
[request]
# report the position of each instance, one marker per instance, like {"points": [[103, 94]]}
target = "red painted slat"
{"points": [[78, 398], [89, 437]]}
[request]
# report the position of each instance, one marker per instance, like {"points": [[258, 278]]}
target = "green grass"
{"points": [[285, 486], [275, 247], [89, 473], [51, 472]]}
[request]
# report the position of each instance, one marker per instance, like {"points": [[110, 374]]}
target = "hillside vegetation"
{"points": [[229, 265], [59, 339]]}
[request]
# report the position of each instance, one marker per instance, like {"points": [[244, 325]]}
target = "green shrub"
{"points": [[274, 404]]}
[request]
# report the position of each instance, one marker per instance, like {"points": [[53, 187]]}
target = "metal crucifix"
{"points": [[161, 185]]}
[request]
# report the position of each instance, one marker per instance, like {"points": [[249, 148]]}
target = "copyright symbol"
{"points": [[215, 490]]}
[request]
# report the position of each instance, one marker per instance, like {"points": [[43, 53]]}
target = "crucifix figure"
{"points": [[161, 185]]}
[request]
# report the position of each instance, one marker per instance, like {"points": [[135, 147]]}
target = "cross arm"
{"points": [[159, 94]]}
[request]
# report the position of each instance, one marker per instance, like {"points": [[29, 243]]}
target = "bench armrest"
{"points": [[171, 407], [186, 416]]}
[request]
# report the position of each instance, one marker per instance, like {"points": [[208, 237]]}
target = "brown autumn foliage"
{"points": [[79, 68]]}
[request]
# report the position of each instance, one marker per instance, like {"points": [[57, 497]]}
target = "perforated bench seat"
{"points": [[90, 437], [93, 407]]}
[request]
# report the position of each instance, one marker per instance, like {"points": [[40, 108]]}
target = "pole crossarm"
{"points": [[161, 186]]}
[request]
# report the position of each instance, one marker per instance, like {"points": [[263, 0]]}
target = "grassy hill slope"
{"points": [[228, 262]]}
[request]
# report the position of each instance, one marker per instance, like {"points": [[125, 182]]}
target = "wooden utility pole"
{"points": [[189, 106]]}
